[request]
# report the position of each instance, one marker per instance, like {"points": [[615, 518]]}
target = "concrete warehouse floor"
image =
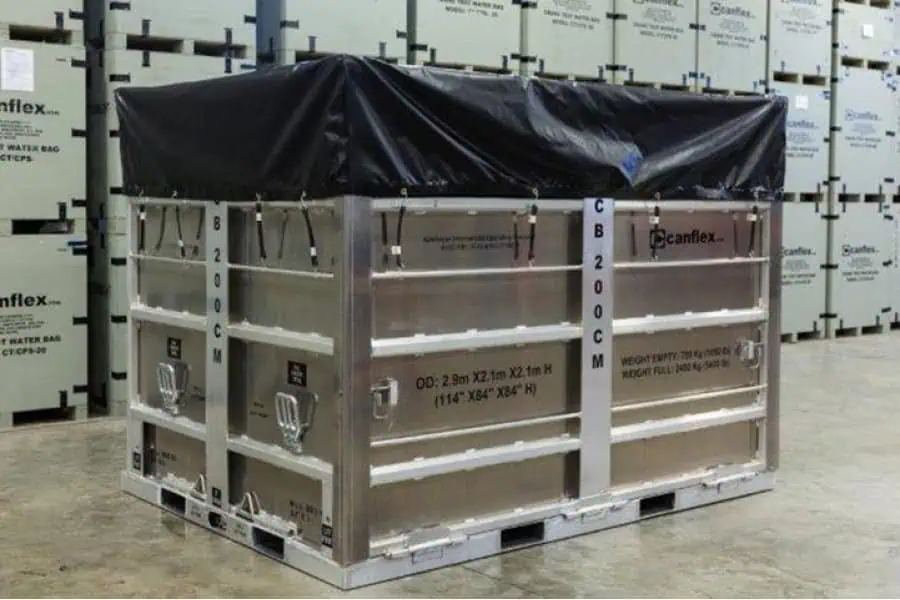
{"points": [[832, 527]]}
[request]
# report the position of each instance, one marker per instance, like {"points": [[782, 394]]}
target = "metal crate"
{"points": [[42, 130], [804, 256], [43, 320], [731, 46], [807, 131], [865, 32], [289, 417], [480, 35], [859, 287], [205, 22], [647, 31], [294, 29], [569, 39], [864, 144], [800, 37]]}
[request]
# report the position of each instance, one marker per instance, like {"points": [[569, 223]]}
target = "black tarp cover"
{"points": [[344, 125]]}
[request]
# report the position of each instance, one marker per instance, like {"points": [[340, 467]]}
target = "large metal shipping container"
{"points": [[480, 414], [369, 385], [808, 136]]}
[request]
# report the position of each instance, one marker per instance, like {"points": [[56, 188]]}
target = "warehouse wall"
{"points": [[836, 64]]}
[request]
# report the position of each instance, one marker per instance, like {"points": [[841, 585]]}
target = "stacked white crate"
{"points": [[568, 40], [894, 268], [731, 46], [864, 125], [43, 307], [291, 30], [804, 249], [143, 43]]}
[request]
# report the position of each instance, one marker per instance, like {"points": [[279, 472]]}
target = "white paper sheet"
{"points": [[16, 70], [801, 102]]}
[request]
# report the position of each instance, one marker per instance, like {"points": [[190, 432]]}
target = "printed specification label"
{"points": [[482, 385], [860, 263], [802, 17], [573, 14], [462, 243], [21, 332], [22, 131], [734, 26], [863, 129], [480, 8], [683, 362], [799, 266], [660, 19]]}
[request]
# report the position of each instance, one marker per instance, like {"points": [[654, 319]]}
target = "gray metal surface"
{"points": [[467, 34], [360, 27], [43, 334], [42, 128], [569, 38], [864, 152], [860, 286], [44, 14], [320, 442], [650, 29], [800, 37], [731, 45], [802, 274], [865, 31], [809, 114], [226, 20]]}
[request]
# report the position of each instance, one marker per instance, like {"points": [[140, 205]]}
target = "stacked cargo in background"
{"points": [[862, 169], [43, 305], [142, 43], [294, 30], [799, 68]]}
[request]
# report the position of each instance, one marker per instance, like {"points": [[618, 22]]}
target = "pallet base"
{"points": [[857, 331], [470, 541], [9, 420]]}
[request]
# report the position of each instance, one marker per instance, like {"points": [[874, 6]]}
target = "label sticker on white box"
{"points": [[801, 102], [868, 30], [16, 70]]}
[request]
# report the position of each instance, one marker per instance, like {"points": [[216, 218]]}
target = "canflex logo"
{"points": [[718, 9], [16, 106], [797, 251], [858, 115], [661, 238], [849, 250], [20, 300]]}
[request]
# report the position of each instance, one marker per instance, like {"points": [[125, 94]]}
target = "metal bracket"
{"points": [[199, 489], [172, 379], [249, 506], [426, 543], [295, 417], [749, 352], [595, 512], [385, 397]]}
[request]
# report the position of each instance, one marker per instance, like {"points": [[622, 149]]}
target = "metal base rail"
{"points": [[399, 557]]}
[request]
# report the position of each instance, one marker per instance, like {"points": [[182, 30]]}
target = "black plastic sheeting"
{"points": [[343, 125]]}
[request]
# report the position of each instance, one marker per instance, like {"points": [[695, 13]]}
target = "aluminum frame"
{"points": [[352, 559]]}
